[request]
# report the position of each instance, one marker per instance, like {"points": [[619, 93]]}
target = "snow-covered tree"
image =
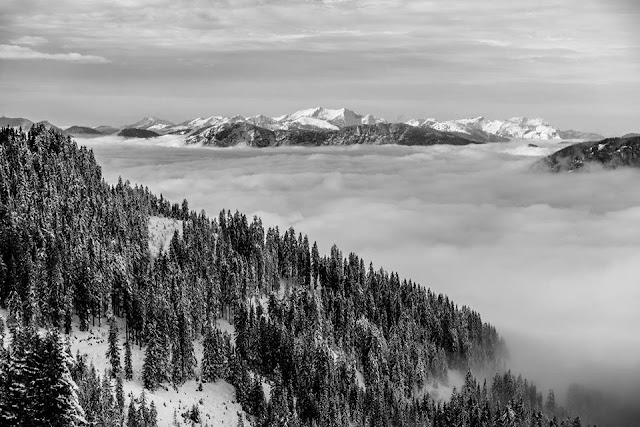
{"points": [[113, 351]]}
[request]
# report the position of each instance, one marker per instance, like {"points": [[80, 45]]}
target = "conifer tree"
{"points": [[120, 394], [128, 369], [132, 413], [150, 370], [209, 373], [60, 404], [109, 410], [143, 411], [315, 264], [113, 351], [152, 420]]}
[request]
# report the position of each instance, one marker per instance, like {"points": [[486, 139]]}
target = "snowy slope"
{"points": [[216, 401], [340, 118]]}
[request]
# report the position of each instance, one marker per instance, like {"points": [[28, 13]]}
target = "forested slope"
{"points": [[313, 326]]}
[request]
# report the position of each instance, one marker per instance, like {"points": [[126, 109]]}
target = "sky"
{"points": [[575, 63], [549, 259]]}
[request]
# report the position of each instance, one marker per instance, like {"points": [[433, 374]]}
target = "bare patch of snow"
{"points": [[160, 233]]}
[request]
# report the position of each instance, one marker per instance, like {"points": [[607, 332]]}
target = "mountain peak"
{"points": [[151, 122]]}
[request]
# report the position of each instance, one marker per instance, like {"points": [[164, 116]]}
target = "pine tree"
{"points": [[119, 394], [60, 404], [150, 369], [109, 410], [16, 317], [17, 375], [152, 420], [128, 369], [315, 264], [143, 411], [113, 352], [132, 414], [209, 355], [257, 399], [550, 404]]}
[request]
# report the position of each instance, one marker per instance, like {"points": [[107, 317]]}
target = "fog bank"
{"points": [[550, 259]]}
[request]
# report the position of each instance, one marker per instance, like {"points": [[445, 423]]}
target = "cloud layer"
{"points": [[550, 259], [21, 52]]}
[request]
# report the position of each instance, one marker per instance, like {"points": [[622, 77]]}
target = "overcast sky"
{"points": [[574, 62]]}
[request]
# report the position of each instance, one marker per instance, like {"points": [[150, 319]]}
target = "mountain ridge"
{"points": [[477, 129], [246, 134], [610, 153]]}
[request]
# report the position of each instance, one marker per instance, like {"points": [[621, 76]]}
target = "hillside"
{"points": [[317, 339], [15, 122], [137, 133], [82, 130], [609, 153], [106, 130]]}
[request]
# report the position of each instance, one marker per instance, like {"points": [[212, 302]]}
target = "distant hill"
{"points": [[137, 133], [82, 130], [50, 126], [609, 153], [152, 123], [631, 135], [576, 134], [15, 122], [106, 130]]}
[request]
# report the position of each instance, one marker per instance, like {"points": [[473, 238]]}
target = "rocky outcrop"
{"points": [[233, 134], [609, 153]]}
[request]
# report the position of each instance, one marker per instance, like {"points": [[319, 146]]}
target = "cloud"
{"points": [[494, 43], [550, 259], [20, 52], [29, 41]]}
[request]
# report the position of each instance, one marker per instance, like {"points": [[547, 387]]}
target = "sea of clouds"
{"points": [[551, 259]]}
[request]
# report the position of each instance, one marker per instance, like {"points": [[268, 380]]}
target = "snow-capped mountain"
{"points": [[338, 118], [517, 127], [478, 129], [152, 123], [310, 119]]}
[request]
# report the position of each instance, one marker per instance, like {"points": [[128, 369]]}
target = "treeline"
{"points": [[341, 342]]}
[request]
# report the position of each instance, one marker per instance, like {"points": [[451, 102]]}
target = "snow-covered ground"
{"points": [[160, 233], [216, 401]]}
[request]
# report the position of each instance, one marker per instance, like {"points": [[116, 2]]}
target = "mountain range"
{"points": [[331, 121]]}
